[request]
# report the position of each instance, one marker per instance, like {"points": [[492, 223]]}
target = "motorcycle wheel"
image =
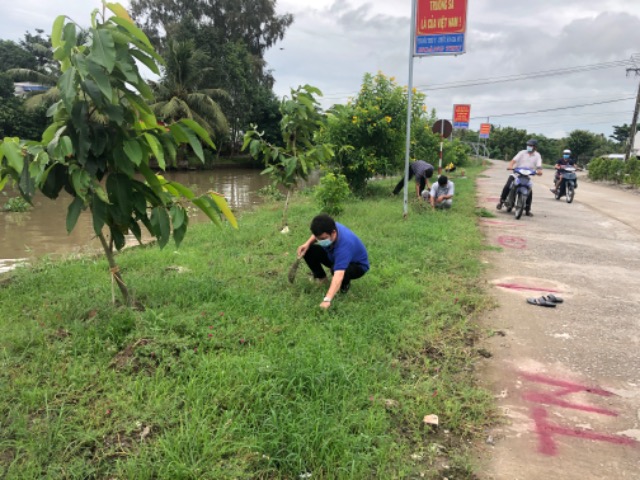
{"points": [[519, 205], [570, 192], [558, 190]]}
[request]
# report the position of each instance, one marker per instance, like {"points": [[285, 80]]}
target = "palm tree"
{"points": [[178, 94]]}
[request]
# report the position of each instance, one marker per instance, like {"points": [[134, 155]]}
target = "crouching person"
{"points": [[334, 246], [441, 193]]}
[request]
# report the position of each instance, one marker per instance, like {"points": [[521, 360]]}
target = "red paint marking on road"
{"points": [[549, 399], [516, 243], [570, 387], [513, 286], [546, 432]]}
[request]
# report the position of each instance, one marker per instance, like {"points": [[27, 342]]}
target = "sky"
{"points": [[333, 43]]}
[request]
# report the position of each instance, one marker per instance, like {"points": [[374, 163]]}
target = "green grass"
{"points": [[231, 372]]}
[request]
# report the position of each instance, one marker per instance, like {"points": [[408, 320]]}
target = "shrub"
{"points": [[332, 192]]}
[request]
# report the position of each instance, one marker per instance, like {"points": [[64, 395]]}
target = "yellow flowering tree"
{"points": [[368, 133]]}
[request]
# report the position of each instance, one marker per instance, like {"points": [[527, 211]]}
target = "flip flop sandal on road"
{"points": [[541, 302], [553, 299]]}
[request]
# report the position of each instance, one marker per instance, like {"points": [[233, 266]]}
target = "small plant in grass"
{"points": [[271, 192], [16, 204], [300, 124], [332, 193]]}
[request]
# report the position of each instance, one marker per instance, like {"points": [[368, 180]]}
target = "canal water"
{"points": [[41, 231]]}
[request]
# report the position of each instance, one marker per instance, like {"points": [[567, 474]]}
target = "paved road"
{"points": [[567, 379]]}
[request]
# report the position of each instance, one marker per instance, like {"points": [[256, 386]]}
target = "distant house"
{"points": [[25, 88]]}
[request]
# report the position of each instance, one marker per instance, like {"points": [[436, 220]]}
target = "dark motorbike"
{"points": [[568, 183], [520, 189]]}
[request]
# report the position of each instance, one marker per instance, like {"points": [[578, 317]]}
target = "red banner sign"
{"points": [[437, 17], [461, 116], [485, 130], [440, 27]]}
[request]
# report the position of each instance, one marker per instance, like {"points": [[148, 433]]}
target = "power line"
{"points": [[507, 78], [553, 109], [524, 76]]}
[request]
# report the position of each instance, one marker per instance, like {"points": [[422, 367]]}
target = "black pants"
{"points": [[400, 185], [317, 256], [505, 193]]}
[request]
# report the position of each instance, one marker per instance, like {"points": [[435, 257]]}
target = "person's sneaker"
{"points": [[528, 214], [499, 206], [553, 190], [345, 288]]}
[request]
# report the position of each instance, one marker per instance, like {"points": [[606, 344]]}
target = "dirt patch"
{"points": [[127, 360]]}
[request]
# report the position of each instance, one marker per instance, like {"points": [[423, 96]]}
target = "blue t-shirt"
{"points": [[347, 248]]}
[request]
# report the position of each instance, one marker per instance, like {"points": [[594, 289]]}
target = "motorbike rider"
{"points": [[562, 162], [529, 158]]}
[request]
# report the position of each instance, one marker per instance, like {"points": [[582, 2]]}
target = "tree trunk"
{"points": [[286, 208], [114, 269]]}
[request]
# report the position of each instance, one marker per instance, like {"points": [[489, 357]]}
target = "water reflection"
{"points": [[41, 230]]}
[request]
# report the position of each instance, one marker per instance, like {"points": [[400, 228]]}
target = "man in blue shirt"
{"points": [[338, 248]]}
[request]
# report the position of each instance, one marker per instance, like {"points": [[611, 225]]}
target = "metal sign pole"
{"points": [[409, 108], [441, 146]]}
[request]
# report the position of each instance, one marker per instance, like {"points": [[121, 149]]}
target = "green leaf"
{"points": [[221, 204], [99, 191], [120, 12], [103, 49], [254, 148], [133, 30], [182, 190], [73, 213], [133, 150], [151, 178], [67, 85], [206, 208], [80, 179], [56, 32], [201, 132], [135, 229], [177, 216], [156, 149], [118, 238], [3, 182], [50, 132], [98, 214], [192, 139], [102, 80], [145, 60], [179, 234], [27, 184], [161, 225], [119, 190], [13, 153]]}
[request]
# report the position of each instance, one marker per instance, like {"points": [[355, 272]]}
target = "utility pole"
{"points": [[634, 123]]}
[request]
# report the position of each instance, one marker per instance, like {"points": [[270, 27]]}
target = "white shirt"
{"points": [[437, 190], [525, 159]]}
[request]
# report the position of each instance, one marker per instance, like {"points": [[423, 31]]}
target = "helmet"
{"points": [[533, 142], [566, 150]]}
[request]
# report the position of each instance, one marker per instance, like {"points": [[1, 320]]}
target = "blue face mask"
{"points": [[529, 148], [325, 243], [566, 157]]}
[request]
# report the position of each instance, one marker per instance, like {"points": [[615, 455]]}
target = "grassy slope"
{"points": [[231, 372]]}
